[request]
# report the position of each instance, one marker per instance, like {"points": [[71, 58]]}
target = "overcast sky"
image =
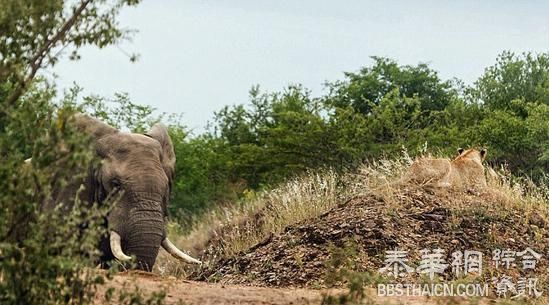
{"points": [[197, 56]]}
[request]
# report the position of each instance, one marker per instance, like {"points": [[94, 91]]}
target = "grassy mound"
{"points": [[305, 232], [365, 227]]}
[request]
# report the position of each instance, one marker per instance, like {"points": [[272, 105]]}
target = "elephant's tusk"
{"points": [[172, 249], [116, 248]]}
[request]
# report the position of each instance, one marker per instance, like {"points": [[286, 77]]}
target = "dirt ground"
{"points": [[202, 293], [191, 292]]}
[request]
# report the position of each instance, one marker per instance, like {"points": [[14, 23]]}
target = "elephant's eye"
{"points": [[115, 183]]}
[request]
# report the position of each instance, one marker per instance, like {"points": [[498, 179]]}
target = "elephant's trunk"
{"points": [[145, 232]]}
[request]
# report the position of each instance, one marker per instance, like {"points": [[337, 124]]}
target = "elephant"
{"points": [[140, 169]]}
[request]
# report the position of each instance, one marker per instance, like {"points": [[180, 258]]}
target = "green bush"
{"points": [[46, 255]]}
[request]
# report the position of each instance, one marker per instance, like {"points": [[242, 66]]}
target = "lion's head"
{"points": [[471, 154]]}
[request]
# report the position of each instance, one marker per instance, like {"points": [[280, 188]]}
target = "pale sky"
{"points": [[197, 56]]}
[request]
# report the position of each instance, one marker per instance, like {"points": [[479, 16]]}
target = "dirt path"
{"points": [[201, 293], [190, 292]]}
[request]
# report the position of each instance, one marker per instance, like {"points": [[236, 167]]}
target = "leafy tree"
{"points": [[515, 95], [394, 122], [367, 88], [350, 135], [538, 132], [522, 143], [33, 35], [455, 126], [285, 133], [43, 254], [294, 136], [512, 78], [202, 176], [376, 112]]}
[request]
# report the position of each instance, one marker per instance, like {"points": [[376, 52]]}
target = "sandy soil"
{"points": [[190, 292], [201, 293]]}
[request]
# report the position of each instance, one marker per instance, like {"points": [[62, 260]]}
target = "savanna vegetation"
{"points": [[375, 112], [372, 113]]}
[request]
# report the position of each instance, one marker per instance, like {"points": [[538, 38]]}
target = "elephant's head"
{"points": [[137, 170]]}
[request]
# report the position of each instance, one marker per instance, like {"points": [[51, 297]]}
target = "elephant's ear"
{"points": [[159, 132], [93, 127], [96, 130]]}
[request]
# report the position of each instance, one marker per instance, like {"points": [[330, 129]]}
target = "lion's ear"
{"points": [[483, 153], [460, 151]]}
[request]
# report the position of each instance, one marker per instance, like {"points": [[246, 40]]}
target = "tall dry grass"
{"points": [[224, 232], [258, 215], [267, 212]]}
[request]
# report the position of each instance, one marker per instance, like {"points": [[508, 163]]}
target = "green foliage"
{"points": [[342, 267], [202, 176], [370, 114], [33, 35], [515, 96], [44, 253], [521, 142], [46, 256], [284, 134], [513, 77], [119, 112], [394, 123], [365, 89]]}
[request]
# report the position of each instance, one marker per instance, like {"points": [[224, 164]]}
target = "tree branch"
{"points": [[38, 58]]}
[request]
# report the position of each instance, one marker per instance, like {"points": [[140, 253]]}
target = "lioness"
{"points": [[465, 171]]}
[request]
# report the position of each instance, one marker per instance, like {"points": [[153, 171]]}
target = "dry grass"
{"points": [[257, 216], [228, 231], [261, 214], [267, 212], [387, 179]]}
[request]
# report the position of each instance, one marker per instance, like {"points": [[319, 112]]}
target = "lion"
{"points": [[464, 172]]}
